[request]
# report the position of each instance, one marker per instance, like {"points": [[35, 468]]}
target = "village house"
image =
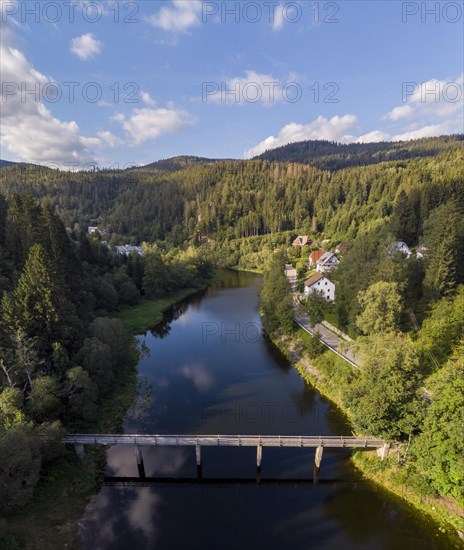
{"points": [[421, 252], [314, 256], [127, 249], [319, 283], [327, 262], [400, 247], [301, 240], [93, 231]]}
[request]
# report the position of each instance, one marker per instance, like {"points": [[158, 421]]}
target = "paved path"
{"points": [[326, 336]]}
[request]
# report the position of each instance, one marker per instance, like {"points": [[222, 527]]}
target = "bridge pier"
{"points": [[318, 457], [80, 451], [139, 458], [198, 454], [382, 452], [317, 463], [259, 456]]}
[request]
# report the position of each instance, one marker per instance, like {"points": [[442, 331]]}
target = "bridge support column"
{"points": [[317, 463], [259, 456], [382, 452], [139, 458], [198, 461], [80, 451], [318, 457]]}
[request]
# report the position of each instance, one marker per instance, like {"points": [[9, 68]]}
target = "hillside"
{"points": [[334, 156], [233, 199], [175, 164]]}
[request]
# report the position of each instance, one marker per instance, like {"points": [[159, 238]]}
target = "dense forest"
{"points": [[235, 199], [329, 155], [60, 351], [407, 317]]}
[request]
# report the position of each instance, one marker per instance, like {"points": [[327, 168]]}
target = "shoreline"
{"points": [[147, 314], [383, 475], [51, 519]]}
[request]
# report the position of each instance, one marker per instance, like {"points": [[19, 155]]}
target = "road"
{"points": [[326, 336]]}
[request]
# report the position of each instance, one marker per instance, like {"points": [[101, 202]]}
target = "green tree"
{"points": [[20, 464], [444, 237], [95, 357], [383, 396], [81, 394], [381, 308], [38, 307], [314, 306], [43, 402], [405, 218], [439, 449]]}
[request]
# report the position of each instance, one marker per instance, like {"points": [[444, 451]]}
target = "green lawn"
{"points": [[148, 313]]}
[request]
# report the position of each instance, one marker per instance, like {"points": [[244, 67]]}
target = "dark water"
{"points": [[210, 371]]}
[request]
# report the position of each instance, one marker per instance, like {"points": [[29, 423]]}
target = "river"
{"points": [[209, 370]]}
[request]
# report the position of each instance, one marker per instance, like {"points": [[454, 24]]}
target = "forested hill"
{"points": [[176, 163], [334, 156], [233, 199]]}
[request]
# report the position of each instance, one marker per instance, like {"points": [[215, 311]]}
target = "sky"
{"points": [[120, 83]]}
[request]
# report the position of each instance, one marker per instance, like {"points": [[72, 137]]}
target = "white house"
{"points": [[327, 262], [127, 249], [319, 283], [401, 247]]}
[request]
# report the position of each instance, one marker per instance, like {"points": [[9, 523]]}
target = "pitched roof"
{"points": [[327, 256], [301, 240], [314, 256], [316, 277]]}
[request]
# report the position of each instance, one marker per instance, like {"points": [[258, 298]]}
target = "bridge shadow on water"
{"points": [[221, 481]]}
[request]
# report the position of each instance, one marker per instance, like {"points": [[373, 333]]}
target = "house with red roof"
{"points": [[314, 256]]}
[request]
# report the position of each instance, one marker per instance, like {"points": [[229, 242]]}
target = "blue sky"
{"points": [[345, 71]]}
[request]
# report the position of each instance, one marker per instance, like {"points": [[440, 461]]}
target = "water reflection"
{"points": [[220, 385]]}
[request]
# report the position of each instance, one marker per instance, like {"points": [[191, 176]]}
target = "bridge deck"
{"points": [[226, 440]]}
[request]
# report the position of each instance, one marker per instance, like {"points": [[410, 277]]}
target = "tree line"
{"points": [[60, 350]]}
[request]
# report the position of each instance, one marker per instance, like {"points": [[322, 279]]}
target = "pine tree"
{"points": [[38, 306], [444, 241], [405, 219]]}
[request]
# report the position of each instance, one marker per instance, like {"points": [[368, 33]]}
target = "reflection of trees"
{"points": [[387, 522], [277, 355], [163, 328]]}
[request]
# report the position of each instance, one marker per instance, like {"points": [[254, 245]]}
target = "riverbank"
{"points": [[145, 315], [50, 520], [327, 373]]}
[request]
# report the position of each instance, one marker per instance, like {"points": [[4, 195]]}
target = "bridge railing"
{"points": [[198, 441]]}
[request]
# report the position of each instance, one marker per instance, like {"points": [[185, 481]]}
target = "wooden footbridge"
{"points": [[199, 441]]}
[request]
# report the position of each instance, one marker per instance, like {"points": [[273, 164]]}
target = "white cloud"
{"points": [[431, 99], [253, 88], [337, 128], [149, 124], [374, 137], [278, 18], [147, 99], [179, 18], [447, 127], [399, 113], [109, 139], [86, 46], [29, 131]]}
